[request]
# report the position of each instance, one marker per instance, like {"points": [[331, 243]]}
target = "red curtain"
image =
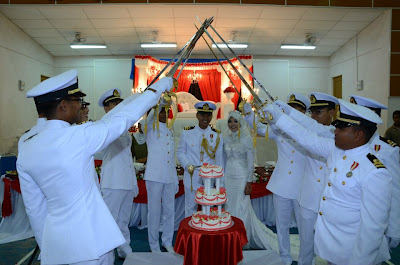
{"points": [[238, 83], [136, 78], [209, 83]]}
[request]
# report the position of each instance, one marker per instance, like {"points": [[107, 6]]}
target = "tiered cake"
{"points": [[211, 219]]}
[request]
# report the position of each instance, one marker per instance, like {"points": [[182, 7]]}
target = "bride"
{"points": [[239, 168]]}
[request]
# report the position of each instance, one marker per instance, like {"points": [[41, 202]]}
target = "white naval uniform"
{"points": [[354, 211], [55, 166], [188, 153], [389, 156], [119, 185], [284, 183], [311, 187], [161, 182]]}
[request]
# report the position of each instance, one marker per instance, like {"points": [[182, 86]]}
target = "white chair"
{"points": [[190, 113]]}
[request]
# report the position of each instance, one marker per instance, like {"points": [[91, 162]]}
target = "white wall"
{"points": [[368, 56], [21, 58], [284, 75], [97, 75]]}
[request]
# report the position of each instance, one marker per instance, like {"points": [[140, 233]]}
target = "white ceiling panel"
{"points": [[362, 15], [62, 12], [15, 12], [239, 12], [336, 42], [341, 34], [106, 12], [42, 33], [70, 32], [112, 23], [121, 40], [33, 23], [57, 40], [153, 22], [116, 32], [202, 12], [146, 11], [123, 27], [357, 26], [315, 24], [282, 13], [291, 52], [324, 14], [270, 32], [276, 23], [240, 22], [81, 23]]}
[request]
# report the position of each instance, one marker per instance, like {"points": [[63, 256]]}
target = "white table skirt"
{"points": [[16, 226]]}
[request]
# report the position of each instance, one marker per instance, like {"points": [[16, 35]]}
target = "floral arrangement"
{"points": [[229, 89]]}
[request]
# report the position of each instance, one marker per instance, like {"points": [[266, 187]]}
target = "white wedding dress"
{"points": [[239, 168]]}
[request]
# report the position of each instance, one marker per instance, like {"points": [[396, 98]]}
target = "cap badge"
{"points": [[206, 107], [312, 99], [292, 98], [353, 100], [116, 93]]}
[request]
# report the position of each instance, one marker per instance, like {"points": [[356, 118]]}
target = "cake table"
{"points": [[222, 247]]}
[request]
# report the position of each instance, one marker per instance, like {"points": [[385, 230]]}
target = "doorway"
{"points": [[337, 86]]}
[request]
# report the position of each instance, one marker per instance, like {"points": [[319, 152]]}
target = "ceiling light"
{"points": [[87, 46], [231, 45], [80, 43], [158, 45], [298, 47]]}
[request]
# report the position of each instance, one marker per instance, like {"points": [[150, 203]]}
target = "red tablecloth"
{"points": [[259, 190], [9, 184], [211, 248], [142, 196]]}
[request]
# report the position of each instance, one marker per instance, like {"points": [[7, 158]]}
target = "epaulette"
{"points": [[389, 142], [377, 163], [30, 137], [189, 128], [215, 130]]}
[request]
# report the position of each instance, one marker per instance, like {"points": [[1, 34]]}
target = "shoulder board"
{"points": [[30, 137], [189, 128], [26, 131], [389, 142], [215, 130], [375, 161]]}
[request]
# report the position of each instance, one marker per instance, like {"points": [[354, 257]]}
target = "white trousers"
{"points": [[190, 204], [283, 213], [306, 234], [106, 259], [119, 202], [160, 195]]}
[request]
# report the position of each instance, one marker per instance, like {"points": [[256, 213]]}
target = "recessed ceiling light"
{"points": [[231, 45], [298, 47], [87, 46], [158, 45]]}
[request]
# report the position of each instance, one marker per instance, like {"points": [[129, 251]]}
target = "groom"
{"points": [[197, 145]]}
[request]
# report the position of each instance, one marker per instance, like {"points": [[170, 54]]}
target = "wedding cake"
{"points": [[216, 218]]}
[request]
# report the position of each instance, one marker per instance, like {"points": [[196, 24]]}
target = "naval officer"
{"points": [[197, 145], [387, 152], [68, 216], [118, 179], [355, 203], [286, 178], [322, 110], [161, 179]]}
